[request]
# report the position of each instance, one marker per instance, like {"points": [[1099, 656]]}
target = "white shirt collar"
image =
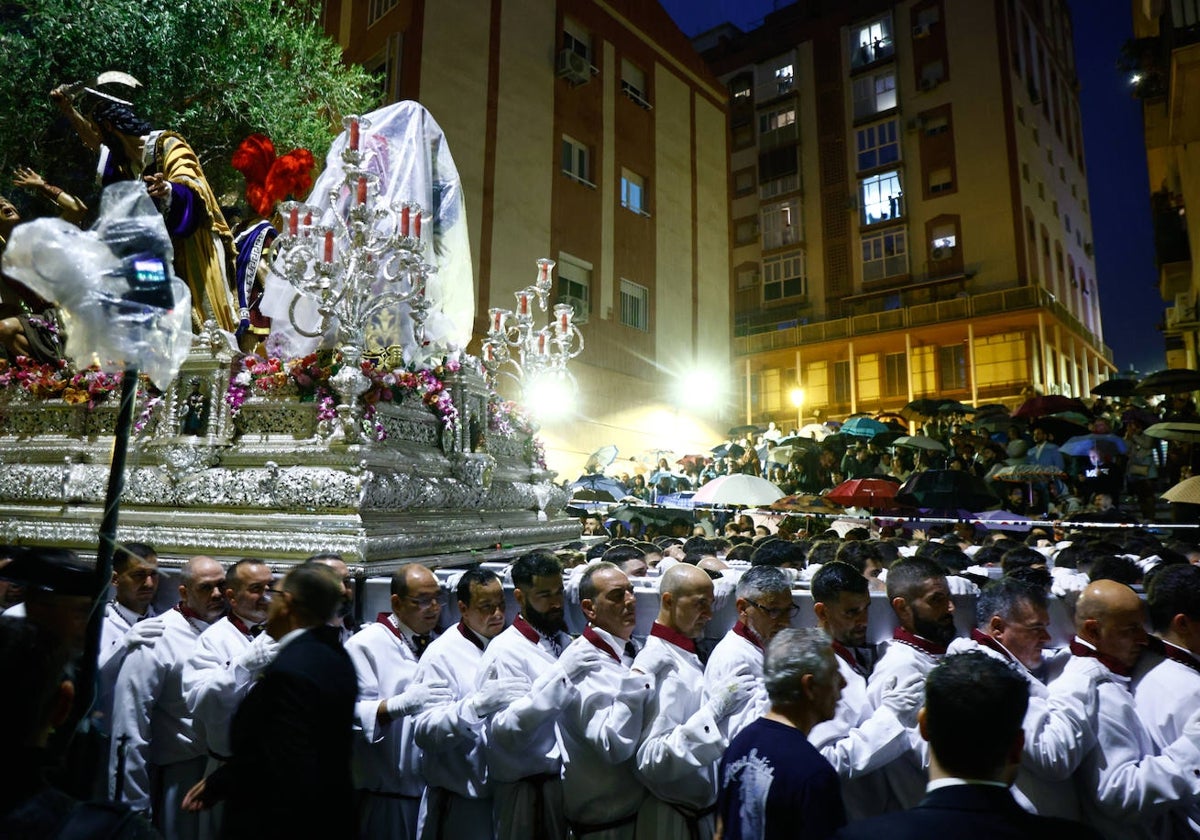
{"points": [[290, 637], [951, 781]]}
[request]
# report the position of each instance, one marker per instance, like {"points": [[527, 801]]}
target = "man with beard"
{"points": [[602, 723], [860, 739], [683, 737], [229, 655], [458, 796], [345, 622], [126, 626], [522, 740], [764, 607], [387, 763], [130, 148], [157, 754], [920, 597]]}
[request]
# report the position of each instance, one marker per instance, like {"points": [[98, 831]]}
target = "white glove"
{"points": [[577, 661], [259, 655], [961, 586], [495, 694], [143, 634], [1191, 728], [904, 698], [418, 697], [734, 694]]}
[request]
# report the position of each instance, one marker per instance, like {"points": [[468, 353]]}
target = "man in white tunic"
{"points": [[920, 597], [859, 740], [602, 724], [523, 753], [764, 607], [1166, 681], [458, 796], [1127, 786], [126, 626], [229, 655], [1011, 624], [385, 654], [156, 753], [683, 738]]}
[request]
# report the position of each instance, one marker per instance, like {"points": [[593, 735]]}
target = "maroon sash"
{"points": [[673, 636]]}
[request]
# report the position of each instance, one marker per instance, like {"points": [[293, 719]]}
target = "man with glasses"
{"points": [[1012, 625], [387, 762], [859, 740], [764, 607], [458, 798], [157, 753]]}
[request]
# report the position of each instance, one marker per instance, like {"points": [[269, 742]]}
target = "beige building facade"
{"points": [[590, 132], [909, 207]]}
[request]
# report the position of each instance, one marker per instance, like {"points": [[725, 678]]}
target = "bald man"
{"points": [[157, 753], [1129, 789], [685, 735]]}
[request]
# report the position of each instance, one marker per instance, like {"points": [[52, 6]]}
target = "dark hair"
{"points": [[597, 549], [858, 553], [988, 555], [1118, 568], [699, 545], [963, 690], [742, 551], [857, 534], [231, 573], [1022, 556], [907, 577], [832, 579], [325, 555], [823, 551], [480, 576], [618, 554], [122, 117], [1002, 597], [777, 552], [537, 563], [124, 553], [316, 592], [951, 558], [1174, 590]]}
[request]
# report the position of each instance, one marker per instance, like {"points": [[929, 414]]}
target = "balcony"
{"points": [[1170, 230]]}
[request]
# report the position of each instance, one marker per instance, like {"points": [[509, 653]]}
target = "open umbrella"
{"points": [[784, 454], [814, 431], [1004, 520], [865, 427], [748, 429], [1058, 428], [1139, 415], [1082, 444], [1022, 473], [601, 496], [1049, 404], [1171, 381], [990, 408], [603, 483], [1180, 432], [869, 493], [920, 442], [922, 407], [954, 407], [646, 513], [728, 450], [737, 489], [601, 458], [677, 501], [946, 489], [689, 462], [805, 503], [894, 420], [1116, 388], [1186, 492], [994, 422]]}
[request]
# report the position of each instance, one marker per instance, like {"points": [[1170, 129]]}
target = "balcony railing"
{"points": [[789, 334]]}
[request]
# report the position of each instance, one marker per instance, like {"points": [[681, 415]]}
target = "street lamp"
{"points": [[797, 396]]}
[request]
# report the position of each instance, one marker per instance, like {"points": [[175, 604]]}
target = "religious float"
{"points": [[365, 430]]}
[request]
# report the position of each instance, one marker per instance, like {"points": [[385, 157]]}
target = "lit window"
{"points": [[885, 254], [781, 224], [877, 145], [776, 77], [881, 198], [772, 120], [576, 160], [784, 276], [635, 305], [741, 87], [633, 192], [871, 42], [874, 93]]}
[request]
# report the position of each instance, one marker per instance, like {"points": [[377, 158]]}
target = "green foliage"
{"points": [[214, 70]]}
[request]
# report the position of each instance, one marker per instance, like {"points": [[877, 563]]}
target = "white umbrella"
{"points": [[1180, 432], [1185, 492], [920, 442], [738, 489], [814, 430]]}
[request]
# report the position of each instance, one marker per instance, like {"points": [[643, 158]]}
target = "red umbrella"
{"points": [[864, 492], [1049, 404]]}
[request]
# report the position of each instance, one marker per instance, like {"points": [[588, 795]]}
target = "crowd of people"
{"points": [[258, 706]]}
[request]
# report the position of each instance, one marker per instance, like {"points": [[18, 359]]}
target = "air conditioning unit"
{"points": [[914, 124], [582, 310], [940, 252], [1185, 310], [921, 30], [573, 67]]}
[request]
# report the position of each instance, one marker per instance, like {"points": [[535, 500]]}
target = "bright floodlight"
{"points": [[698, 381], [549, 396], [797, 396]]}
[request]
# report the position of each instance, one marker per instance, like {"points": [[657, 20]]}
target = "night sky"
{"points": [[1119, 193]]}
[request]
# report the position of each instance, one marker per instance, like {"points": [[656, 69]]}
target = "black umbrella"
{"points": [[748, 429], [728, 450], [1171, 381], [946, 489], [990, 408], [1116, 388], [1058, 428], [921, 408], [954, 407], [601, 482]]}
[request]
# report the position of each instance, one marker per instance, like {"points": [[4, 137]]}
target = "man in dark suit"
{"points": [[291, 736], [974, 707]]}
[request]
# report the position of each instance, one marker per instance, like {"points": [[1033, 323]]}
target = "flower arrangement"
{"points": [[58, 380], [309, 377], [510, 419]]}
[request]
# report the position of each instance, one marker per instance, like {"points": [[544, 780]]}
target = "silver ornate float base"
{"points": [[273, 482]]}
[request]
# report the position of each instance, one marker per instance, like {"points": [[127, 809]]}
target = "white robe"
{"points": [[732, 653], [859, 741], [149, 709], [1059, 731], [1167, 693], [1126, 786], [600, 730], [522, 740], [386, 758], [908, 774], [117, 622], [451, 740], [214, 685], [681, 747]]}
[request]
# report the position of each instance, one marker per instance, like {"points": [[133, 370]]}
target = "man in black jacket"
{"points": [[974, 707], [291, 736]]}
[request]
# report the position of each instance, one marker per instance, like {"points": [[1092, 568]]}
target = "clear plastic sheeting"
{"points": [[119, 300], [406, 149]]}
